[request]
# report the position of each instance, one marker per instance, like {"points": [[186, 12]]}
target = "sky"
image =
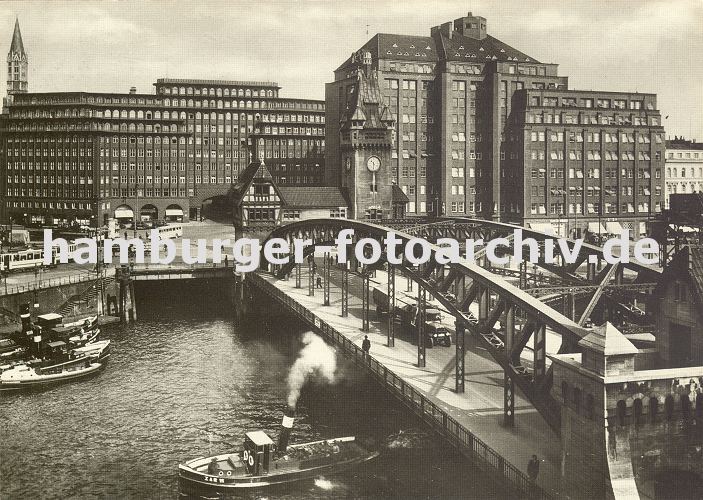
{"points": [[653, 46]]}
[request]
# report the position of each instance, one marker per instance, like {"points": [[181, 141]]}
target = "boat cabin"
{"points": [[49, 320], [55, 350], [258, 448]]}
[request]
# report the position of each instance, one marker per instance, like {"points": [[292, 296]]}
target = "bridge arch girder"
{"points": [[537, 315]]}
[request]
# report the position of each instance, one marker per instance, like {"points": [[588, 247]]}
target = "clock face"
{"points": [[373, 164]]}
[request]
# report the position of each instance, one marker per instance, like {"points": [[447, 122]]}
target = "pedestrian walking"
{"points": [[319, 282], [533, 468], [226, 261], [366, 345]]}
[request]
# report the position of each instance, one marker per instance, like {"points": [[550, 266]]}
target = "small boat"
{"points": [[75, 333], [9, 349], [263, 463], [62, 364], [99, 350], [26, 376]]}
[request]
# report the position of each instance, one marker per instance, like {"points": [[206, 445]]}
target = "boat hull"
{"points": [[40, 381], [193, 479]]}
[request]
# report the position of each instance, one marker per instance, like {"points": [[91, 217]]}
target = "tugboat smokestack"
{"points": [[286, 426]]}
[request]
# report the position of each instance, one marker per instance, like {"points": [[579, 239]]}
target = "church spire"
{"points": [[17, 47], [17, 65]]}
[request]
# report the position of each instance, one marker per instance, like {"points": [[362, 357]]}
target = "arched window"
{"points": [[108, 113], [189, 90], [182, 90], [123, 113], [620, 411], [167, 102], [190, 103], [132, 113], [157, 115], [685, 405], [637, 411], [577, 399], [669, 406], [167, 115], [140, 114], [589, 406]]}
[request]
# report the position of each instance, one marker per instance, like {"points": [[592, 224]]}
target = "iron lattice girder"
{"points": [[479, 228], [321, 231]]}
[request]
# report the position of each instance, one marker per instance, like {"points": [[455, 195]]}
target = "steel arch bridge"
{"points": [[589, 277], [522, 316]]}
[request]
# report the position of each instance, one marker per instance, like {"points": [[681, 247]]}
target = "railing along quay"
{"points": [[46, 283], [467, 443]]}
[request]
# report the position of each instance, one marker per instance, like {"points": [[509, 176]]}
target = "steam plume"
{"points": [[315, 359]]}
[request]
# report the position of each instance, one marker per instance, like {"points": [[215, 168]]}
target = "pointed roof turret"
{"points": [[607, 351], [17, 47]]}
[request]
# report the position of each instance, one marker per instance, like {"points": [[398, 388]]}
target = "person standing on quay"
{"points": [[366, 345], [533, 468]]}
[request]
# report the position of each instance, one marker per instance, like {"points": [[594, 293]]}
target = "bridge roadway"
{"points": [[479, 410]]}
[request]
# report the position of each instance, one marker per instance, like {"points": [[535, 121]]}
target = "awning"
{"points": [[543, 227], [595, 228], [614, 227], [170, 212], [124, 213]]}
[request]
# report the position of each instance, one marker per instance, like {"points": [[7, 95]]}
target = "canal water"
{"points": [[184, 382]]}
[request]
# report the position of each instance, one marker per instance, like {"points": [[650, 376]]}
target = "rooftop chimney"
{"points": [[133, 90], [471, 26]]}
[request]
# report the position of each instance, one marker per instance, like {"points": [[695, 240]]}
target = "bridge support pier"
{"points": [[460, 353], [364, 300], [327, 264], [539, 352], [345, 290], [508, 383], [391, 306], [311, 276], [420, 325]]}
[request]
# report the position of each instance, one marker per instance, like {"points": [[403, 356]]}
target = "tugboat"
{"points": [[262, 463], [75, 333]]}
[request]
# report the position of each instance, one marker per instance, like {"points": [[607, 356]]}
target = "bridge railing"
{"points": [[466, 442], [13, 289]]}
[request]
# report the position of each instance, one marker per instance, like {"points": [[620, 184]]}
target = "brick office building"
{"points": [[86, 157], [455, 98], [583, 161]]}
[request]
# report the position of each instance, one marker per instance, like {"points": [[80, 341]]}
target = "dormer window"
{"points": [[461, 47], [412, 46], [502, 50], [395, 45], [481, 49]]}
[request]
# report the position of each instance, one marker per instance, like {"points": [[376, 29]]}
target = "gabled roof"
{"points": [[367, 105], [255, 170], [462, 48], [608, 341], [312, 196], [17, 47], [398, 196]]}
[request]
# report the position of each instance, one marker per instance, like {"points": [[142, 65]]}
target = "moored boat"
{"points": [[26, 376], [263, 463]]}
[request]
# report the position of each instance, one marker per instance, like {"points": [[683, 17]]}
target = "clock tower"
{"points": [[366, 140]]}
